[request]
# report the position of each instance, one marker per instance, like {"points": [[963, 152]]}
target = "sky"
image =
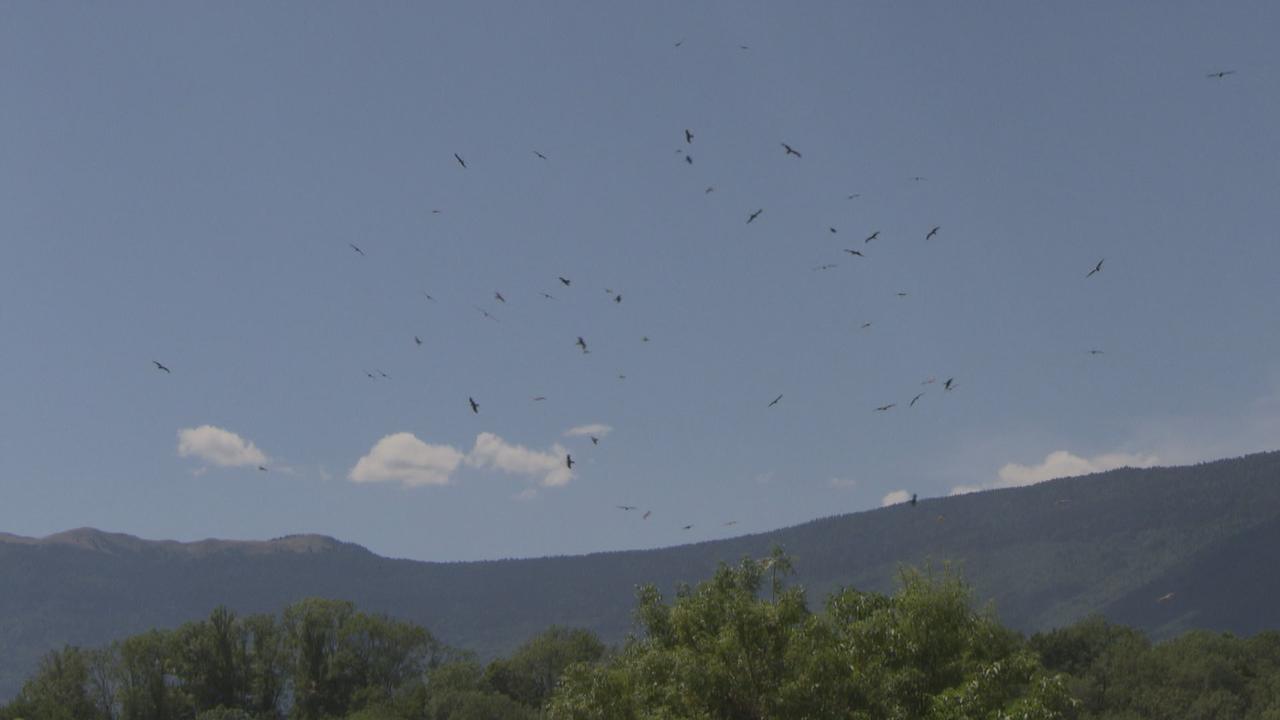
{"points": [[183, 183]]}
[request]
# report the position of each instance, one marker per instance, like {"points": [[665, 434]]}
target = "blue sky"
{"points": [[181, 183]]}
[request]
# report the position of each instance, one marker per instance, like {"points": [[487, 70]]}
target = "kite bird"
{"points": [[914, 399], [535, 152], [564, 280], [568, 460], [627, 508], [775, 400], [854, 252], [947, 385], [161, 367], [790, 150], [883, 408], [1219, 75], [582, 344], [358, 250], [461, 162], [475, 406], [498, 296], [688, 136], [871, 237], [1096, 268], [594, 440], [417, 339], [933, 232], [754, 215]]}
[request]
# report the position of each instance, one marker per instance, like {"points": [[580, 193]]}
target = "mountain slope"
{"points": [[1044, 555]]}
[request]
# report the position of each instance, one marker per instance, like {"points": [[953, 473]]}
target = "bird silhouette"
{"points": [[486, 313], [687, 527], [263, 468], [1096, 268], [775, 400], [427, 295], [827, 266], [855, 195], [1221, 74], [540, 398], [646, 514], [581, 343], [1095, 352], [548, 296], [871, 237], [475, 406], [688, 159], [688, 136], [947, 385], [353, 247], [461, 162], [865, 325], [833, 230], [617, 298], [731, 522], [933, 232], [595, 440], [498, 296], [883, 408], [913, 499], [627, 508], [854, 252], [417, 339], [1165, 598], [917, 178], [914, 399], [568, 460], [161, 367], [564, 280], [710, 189], [790, 150], [535, 152], [902, 294], [754, 215]]}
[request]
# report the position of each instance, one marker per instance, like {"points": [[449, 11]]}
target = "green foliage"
{"points": [[530, 675]]}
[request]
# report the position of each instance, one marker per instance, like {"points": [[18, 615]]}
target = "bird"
{"points": [[461, 162], [498, 296], [263, 468], [644, 338], [902, 294], [688, 136], [828, 266], [914, 399], [568, 460], [947, 385], [754, 215], [353, 247], [775, 400], [917, 178], [382, 374], [564, 280], [540, 398], [710, 189], [678, 43], [617, 298], [548, 296], [790, 150], [933, 232], [854, 252], [1095, 352], [646, 514], [370, 375], [595, 440], [627, 508], [731, 522], [688, 159], [833, 230], [417, 339], [486, 313], [1220, 74], [621, 376], [687, 527], [427, 295], [1165, 598], [1096, 268], [871, 237], [855, 195], [913, 499], [865, 325], [882, 408], [535, 152], [475, 406], [582, 344], [161, 367]]}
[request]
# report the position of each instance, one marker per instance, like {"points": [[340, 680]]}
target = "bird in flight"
{"points": [[568, 460], [475, 406], [644, 338], [498, 296], [417, 339], [790, 150], [548, 296], [914, 399], [871, 237], [731, 522], [775, 400], [353, 247], [1221, 74], [627, 508], [370, 375], [855, 195], [947, 385], [595, 440], [917, 178], [582, 344], [382, 374], [427, 295], [933, 232], [1095, 352], [617, 298], [902, 294], [754, 215], [461, 162], [865, 325], [535, 152], [540, 398], [710, 189], [688, 136], [678, 43], [646, 514], [687, 527], [833, 230], [486, 313], [828, 266], [161, 367], [883, 408], [1096, 268], [263, 468], [913, 499], [854, 252]]}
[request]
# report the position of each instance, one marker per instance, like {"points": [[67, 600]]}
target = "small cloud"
{"points": [[896, 497], [597, 429], [218, 446], [842, 483], [1058, 464], [404, 458], [491, 451]]}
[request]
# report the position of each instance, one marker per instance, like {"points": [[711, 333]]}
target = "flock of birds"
{"points": [[790, 151]]}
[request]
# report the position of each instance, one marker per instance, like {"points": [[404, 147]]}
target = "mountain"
{"points": [[1043, 556]]}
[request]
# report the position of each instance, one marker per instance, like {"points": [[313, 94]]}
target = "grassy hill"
{"points": [[1044, 555]]}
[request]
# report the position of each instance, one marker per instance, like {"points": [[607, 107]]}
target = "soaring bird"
{"points": [[882, 408], [417, 339], [902, 294], [427, 295], [687, 527], [790, 150], [353, 247], [548, 296], [627, 508], [475, 406], [933, 232], [1221, 74], [754, 215], [947, 385], [564, 280], [461, 162], [1096, 268], [161, 367], [486, 313], [581, 343], [688, 159], [382, 374], [1095, 352], [646, 514], [865, 325], [263, 468], [594, 440], [617, 298], [568, 460], [917, 178], [913, 499], [644, 339], [678, 43], [833, 230], [535, 152], [688, 135], [914, 399], [498, 296], [775, 400], [827, 266], [540, 398], [731, 522], [854, 252], [871, 237], [855, 195], [710, 189]]}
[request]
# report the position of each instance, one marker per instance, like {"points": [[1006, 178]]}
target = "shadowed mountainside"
{"points": [[1044, 555]]}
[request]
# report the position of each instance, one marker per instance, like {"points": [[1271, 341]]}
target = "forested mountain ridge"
{"points": [[1044, 555]]}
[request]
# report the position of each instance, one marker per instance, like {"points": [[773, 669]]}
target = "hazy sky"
{"points": [[180, 182]]}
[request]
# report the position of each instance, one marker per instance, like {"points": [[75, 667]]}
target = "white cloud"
{"points": [[218, 446], [404, 458], [894, 498], [491, 451], [1057, 464], [836, 482], [597, 429]]}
